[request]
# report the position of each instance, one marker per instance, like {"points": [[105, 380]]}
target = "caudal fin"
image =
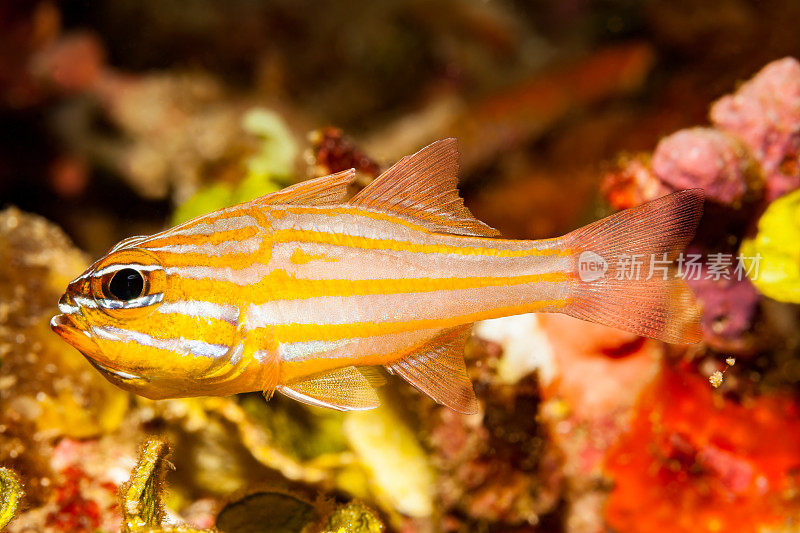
{"points": [[624, 276]]}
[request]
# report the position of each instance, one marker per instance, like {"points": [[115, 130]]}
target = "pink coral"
{"points": [[707, 158], [729, 305], [753, 148], [765, 114]]}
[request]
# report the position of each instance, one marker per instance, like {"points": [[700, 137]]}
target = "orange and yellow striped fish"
{"points": [[306, 292]]}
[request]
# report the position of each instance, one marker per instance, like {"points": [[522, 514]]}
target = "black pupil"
{"points": [[126, 284]]}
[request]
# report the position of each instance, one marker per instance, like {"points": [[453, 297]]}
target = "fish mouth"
{"points": [[66, 326], [71, 331]]}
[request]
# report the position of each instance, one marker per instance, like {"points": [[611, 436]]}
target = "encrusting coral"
{"points": [[46, 391], [692, 461]]}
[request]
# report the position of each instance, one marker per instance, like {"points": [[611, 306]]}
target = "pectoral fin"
{"points": [[438, 370], [347, 389]]}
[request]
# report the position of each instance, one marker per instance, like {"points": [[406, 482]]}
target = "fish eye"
{"points": [[126, 284]]}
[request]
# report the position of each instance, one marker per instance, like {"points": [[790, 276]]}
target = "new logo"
{"points": [[591, 266]]}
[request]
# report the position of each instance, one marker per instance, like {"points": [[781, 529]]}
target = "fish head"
{"points": [[110, 314]]}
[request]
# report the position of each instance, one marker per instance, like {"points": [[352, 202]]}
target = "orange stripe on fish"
{"points": [[300, 257], [305, 291], [171, 239]]}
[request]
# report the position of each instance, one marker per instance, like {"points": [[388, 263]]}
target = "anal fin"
{"points": [[345, 389], [437, 369]]}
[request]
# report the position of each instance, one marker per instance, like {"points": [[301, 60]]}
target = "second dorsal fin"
{"points": [[438, 370], [422, 188], [327, 190]]}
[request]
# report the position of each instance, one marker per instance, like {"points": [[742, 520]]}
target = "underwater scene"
{"points": [[421, 266]]}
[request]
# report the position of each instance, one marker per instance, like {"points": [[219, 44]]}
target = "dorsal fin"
{"points": [[345, 389], [438, 370], [327, 190], [422, 188]]}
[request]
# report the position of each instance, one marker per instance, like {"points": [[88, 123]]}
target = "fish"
{"points": [[311, 290]]}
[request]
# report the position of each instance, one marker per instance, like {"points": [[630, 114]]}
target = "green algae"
{"points": [[268, 170], [278, 147], [141, 498], [354, 517], [10, 495], [305, 433], [141, 495]]}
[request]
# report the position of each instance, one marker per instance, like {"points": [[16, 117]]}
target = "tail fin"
{"points": [[623, 278]]}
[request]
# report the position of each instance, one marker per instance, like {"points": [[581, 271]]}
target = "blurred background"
{"points": [[124, 117]]}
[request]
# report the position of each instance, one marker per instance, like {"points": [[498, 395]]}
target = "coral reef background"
{"points": [[122, 117]]}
